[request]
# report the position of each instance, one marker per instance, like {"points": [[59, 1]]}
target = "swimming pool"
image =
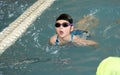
{"points": [[31, 55]]}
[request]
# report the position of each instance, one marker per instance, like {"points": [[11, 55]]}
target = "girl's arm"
{"points": [[84, 42]]}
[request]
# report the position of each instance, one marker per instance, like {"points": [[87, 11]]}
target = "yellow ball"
{"points": [[109, 66]]}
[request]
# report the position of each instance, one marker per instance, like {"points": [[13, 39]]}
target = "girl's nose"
{"points": [[61, 26]]}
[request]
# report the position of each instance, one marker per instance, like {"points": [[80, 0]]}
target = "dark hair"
{"points": [[65, 17]]}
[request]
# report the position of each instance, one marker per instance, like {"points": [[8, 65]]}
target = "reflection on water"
{"points": [[21, 62], [31, 54]]}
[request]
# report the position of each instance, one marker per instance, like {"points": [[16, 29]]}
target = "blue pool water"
{"points": [[31, 55]]}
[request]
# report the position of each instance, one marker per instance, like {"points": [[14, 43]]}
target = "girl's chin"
{"points": [[62, 36]]}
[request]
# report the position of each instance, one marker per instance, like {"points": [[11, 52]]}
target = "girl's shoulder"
{"points": [[52, 40]]}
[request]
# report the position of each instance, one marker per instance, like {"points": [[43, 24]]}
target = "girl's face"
{"points": [[63, 28]]}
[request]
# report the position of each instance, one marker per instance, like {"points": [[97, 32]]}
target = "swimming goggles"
{"points": [[63, 24]]}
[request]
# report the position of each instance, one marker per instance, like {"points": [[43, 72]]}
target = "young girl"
{"points": [[65, 33]]}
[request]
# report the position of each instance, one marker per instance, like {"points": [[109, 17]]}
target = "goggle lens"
{"points": [[63, 24]]}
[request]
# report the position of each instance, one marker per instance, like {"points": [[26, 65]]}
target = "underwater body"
{"points": [[31, 54]]}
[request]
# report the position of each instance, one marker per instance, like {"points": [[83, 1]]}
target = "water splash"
{"points": [[93, 12]]}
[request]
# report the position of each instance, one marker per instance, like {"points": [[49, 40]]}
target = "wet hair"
{"points": [[65, 17]]}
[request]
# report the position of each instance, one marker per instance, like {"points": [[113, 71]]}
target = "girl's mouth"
{"points": [[61, 32]]}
